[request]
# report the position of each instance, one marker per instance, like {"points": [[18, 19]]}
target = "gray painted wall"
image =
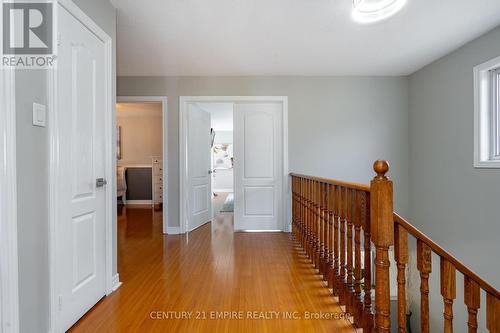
{"points": [[451, 201], [33, 206], [344, 122], [32, 184]]}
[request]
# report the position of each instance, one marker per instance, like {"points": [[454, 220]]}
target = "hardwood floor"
{"points": [[208, 272]]}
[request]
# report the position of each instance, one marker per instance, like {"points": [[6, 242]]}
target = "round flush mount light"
{"points": [[371, 11]]}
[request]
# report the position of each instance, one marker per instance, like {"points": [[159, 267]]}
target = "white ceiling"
{"points": [[290, 37], [221, 113]]}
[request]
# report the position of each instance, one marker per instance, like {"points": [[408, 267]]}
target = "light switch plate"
{"points": [[39, 115]]}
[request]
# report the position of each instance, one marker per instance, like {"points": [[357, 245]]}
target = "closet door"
{"points": [[81, 201]]}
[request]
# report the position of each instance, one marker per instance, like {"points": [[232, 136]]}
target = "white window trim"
{"points": [[485, 114]]}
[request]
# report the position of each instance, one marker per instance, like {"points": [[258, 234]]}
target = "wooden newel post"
{"points": [[382, 228]]}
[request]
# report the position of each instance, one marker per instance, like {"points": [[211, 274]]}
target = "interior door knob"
{"points": [[100, 182]]}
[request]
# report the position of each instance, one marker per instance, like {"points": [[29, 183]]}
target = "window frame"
{"points": [[495, 115], [487, 114]]}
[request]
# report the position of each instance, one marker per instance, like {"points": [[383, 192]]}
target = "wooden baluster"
{"points": [[296, 210], [293, 203], [331, 190], [297, 205], [492, 313], [350, 281], [299, 210], [299, 229], [472, 299], [367, 278], [303, 214], [313, 222], [325, 232], [336, 255], [322, 229], [382, 226], [448, 291], [424, 265], [342, 275], [310, 219], [401, 256], [316, 225], [306, 216], [324, 245], [304, 219], [358, 301], [301, 206]]}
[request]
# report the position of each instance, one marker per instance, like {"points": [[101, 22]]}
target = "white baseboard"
{"points": [[173, 230], [139, 202], [116, 282]]}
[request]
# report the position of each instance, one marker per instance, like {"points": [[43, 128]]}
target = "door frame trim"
{"points": [[9, 287], [111, 280], [183, 107], [164, 101]]}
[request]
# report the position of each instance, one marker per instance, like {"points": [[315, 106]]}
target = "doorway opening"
{"points": [[222, 158], [234, 160], [141, 157]]}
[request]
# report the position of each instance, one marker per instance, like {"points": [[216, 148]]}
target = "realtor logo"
{"points": [[28, 35]]}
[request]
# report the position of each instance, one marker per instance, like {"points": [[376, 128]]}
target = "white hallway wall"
{"points": [[337, 125]]}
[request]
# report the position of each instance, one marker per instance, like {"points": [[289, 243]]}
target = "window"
{"points": [[495, 129], [487, 114]]}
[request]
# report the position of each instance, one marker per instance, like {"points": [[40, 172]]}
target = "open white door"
{"points": [[80, 197], [258, 151], [199, 205]]}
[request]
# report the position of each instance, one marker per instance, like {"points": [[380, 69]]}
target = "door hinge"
{"points": [[59, 39], [60, 303]]}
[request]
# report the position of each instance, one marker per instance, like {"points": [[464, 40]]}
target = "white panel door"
{"points": [[80, 242], [258, 151], [199, 203]]}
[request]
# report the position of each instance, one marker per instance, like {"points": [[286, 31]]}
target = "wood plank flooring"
{"points": [[259, 277]]}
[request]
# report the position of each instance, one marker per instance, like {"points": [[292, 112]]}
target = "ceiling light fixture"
{"points": [[371, 11]]}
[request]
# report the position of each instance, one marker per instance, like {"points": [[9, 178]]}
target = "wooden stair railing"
{"points": [[337, 222]]}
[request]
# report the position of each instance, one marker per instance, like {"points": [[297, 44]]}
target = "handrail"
{"points": [[413, 231], [443, 253], [351, 185], [335, 220]]}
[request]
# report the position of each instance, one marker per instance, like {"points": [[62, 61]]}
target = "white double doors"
{"points": [[258, 166], [80, 154]]}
